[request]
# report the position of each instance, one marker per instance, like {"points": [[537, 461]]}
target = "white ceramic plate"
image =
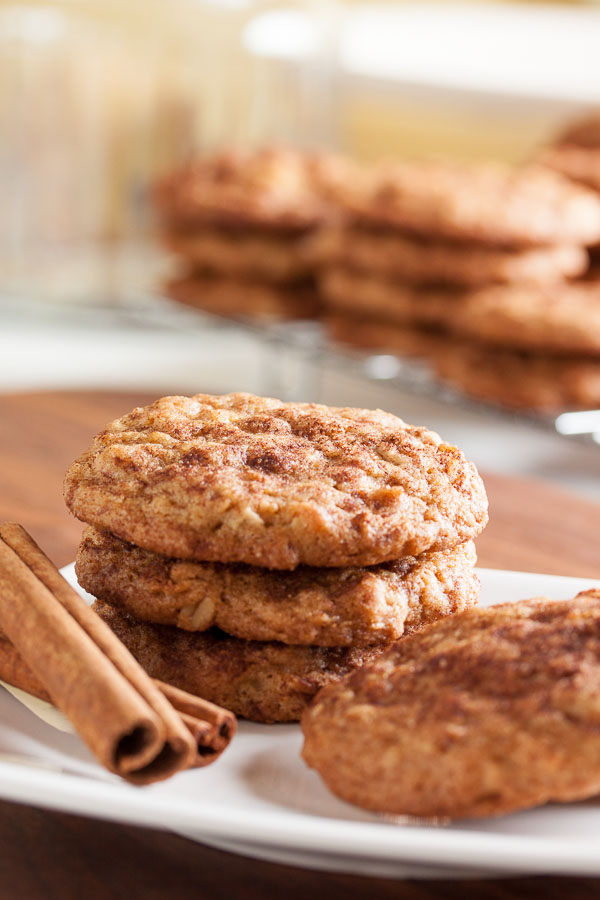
{"points": [[261, 800]]}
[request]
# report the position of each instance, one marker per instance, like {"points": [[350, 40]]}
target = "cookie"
{"points": [[362, 294], [562, 318], [584, 132], [520, 380], [580, 164], [325, 607], [239, 478], [384, 337], [273, 187], [515, 379], [236, 298], [261, 681], [559, 318], [394, 254], [485, 203], [243, 253], [491, 711]]}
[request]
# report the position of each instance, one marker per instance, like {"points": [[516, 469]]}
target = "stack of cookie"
{"points": [[238, 223], [252, 551], [481, 269]]}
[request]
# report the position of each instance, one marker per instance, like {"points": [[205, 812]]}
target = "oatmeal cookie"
{"points": [[362, 294], [261, 681], [395, 254], [239, 478], [236, 298], [384, 337], [490, 711], [556, 319], [243, 253], [325, 607], [273, 187], [520, 380], [485, 203]]}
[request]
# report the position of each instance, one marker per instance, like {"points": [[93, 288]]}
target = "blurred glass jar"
{"points": [[97, 98]]}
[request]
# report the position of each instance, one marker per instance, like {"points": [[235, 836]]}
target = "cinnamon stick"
{"points": [[212, 734], [222, 728], [222, 720], [14, 671], [89, 675]]}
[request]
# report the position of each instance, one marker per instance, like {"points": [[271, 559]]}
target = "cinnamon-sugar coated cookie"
{"points": [[383, 336], [517, 379], [236, 298], [489, 711], [520, 380], [389, 253], [486, 203], [559, 319], [556, 318], [239, 478], [363, 294], [243, 253], [272, 187], [262, 681], [326, 607]]}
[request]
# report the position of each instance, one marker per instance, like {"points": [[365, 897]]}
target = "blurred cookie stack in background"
{"points": [[575, 153], [252, 551], [238, 223], [481, 269]]}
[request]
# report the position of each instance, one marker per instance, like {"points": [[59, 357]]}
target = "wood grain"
{"points": [[54, 856]]}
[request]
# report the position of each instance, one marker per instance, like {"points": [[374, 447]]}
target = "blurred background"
{"points": [[99, 99]]}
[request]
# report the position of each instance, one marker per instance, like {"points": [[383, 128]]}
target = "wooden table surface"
{"points": [[53, 856]]}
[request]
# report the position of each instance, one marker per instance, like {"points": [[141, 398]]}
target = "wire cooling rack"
{"points": [[313, 349], [307, 345]]}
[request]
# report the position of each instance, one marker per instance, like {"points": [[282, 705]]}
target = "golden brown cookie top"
{"points": [[273, 187], [484, 202], [532, 651], [485, 712], [239, 478]]}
